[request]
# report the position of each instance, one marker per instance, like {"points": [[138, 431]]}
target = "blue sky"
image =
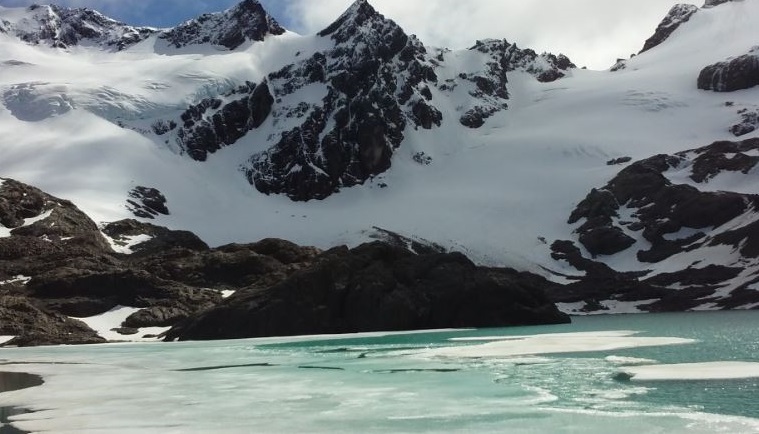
{"points": [[592, 33], [157, 13]]}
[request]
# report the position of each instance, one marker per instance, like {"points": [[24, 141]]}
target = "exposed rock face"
{"points": [[645, 214], [739, 73], [247, 21], [372, 94], [351, 135], [45, 223], [676, 16], [713, 3], [378, 287], [34, 326], [63, 27], [217, 122], [748, 124], [490, 90], [508, 57], [146, 202], [160, 238]]}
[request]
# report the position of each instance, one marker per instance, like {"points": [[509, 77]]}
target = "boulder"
{"points": [[741, 72]]}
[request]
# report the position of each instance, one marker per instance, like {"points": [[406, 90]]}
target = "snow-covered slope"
{"points": [[486, 150]]}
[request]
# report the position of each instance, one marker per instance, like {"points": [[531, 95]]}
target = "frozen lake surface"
{"points": [[695, 372]]}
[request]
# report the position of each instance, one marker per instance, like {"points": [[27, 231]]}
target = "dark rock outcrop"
{"points": [[738, 73], [160, 239], [247, 21], [508, 57], [146, 202], [59, 223], [673, 219], [713, 3], [34, 326], [378, 287], [216, 122], [677, 15], [748, 124], [491, 86], [373, 92]]}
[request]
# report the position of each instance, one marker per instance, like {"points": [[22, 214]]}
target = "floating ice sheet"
{"points": [[694, 371], [554, 343]]}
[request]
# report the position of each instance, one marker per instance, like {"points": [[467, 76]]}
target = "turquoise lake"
{"points": [[578, 378]]}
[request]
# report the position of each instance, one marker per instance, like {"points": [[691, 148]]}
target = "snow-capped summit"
{"points": [[360, 15], [372, 82], [246, 21], [64, 27]]}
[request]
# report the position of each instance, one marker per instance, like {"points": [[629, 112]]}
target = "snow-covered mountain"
{"points": [[247, 131]]}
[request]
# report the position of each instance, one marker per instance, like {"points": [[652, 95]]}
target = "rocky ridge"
{"points": [[350, 135], [246, 21], [56, 265], [693, 243], [62, 27], [378, 81], [374, 81], [677, 15]]}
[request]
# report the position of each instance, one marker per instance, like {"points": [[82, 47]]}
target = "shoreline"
{"points": [[11, 381]]}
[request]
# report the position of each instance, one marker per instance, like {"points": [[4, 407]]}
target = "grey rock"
{"points": [[741, 72]]}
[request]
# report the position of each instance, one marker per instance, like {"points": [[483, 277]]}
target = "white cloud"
{"points": [[590, 32]]}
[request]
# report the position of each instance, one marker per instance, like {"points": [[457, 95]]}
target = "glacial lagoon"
{"points": [[692, 372]]}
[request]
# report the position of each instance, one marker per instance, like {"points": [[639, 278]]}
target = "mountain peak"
{"points": [[355, 16], [246, 21], [64, 27]]}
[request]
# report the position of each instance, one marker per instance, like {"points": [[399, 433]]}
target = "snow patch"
{"points": [[16, 279], [6, 232], [105, 322], [4, 339], [126, 243]]}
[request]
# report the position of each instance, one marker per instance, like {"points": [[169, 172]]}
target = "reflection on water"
{"points": [[14, 381]]}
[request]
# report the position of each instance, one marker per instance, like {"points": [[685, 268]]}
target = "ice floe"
{"points": [[554, 343], [693, 371]]}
